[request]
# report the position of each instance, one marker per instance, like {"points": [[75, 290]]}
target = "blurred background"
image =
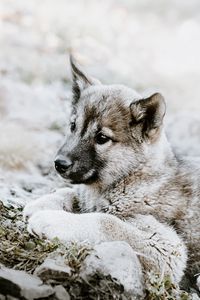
{"points": [[146, 44]]}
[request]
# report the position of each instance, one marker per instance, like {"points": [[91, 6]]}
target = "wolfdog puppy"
{"points": [[128, 184]]}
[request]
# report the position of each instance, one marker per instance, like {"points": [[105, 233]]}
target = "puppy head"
{"points": [[111, 127]]}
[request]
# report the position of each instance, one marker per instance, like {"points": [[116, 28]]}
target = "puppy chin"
{"points": [[77, 178]]}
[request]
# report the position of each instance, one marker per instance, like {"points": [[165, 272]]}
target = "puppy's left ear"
{"points": [[149, 113], [80, 80]]}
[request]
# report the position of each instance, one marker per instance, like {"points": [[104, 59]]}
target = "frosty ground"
{"points": [[145, 44]]}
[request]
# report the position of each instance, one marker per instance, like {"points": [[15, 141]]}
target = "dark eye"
{"points": [[102, 139], [73, 126]]}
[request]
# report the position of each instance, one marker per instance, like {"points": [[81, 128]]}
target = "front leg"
{"points": [[61, 199], [67, 227], [158, 246]]}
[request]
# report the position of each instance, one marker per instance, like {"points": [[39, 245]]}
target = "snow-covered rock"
{"points": [[61, 293], [198, 282], [53, 268], [19, 284], [118, 260]]}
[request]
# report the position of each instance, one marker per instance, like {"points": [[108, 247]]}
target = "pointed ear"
{"points": [[80, 80], [149, 112]]}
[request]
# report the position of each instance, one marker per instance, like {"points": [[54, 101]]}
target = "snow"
{"points": [[24, 285], [118, 260], [145, 44]]}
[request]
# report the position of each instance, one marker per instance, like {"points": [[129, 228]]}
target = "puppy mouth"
{"points": [[78, 178]]}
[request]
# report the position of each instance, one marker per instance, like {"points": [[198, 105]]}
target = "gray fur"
{"points": [[141, 174], [118, 154]]}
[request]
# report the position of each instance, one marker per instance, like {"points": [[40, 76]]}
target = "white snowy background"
{"points": [[148, 45]]}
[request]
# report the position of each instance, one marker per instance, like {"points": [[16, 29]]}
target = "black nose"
{"points": [[62, 165]]}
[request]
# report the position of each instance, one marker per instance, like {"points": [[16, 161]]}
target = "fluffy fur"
{"points": [[117, 155]]}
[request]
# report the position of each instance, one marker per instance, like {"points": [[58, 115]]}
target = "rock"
{"points": [[118, 260], [11, 298], [61, 293], [194, 296], [198, 282], [21, 285], [53, 269]]}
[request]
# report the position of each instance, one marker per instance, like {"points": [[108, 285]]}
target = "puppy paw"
{"points": [[31, 208], [51, 224], [66, 226], [59, 200]]}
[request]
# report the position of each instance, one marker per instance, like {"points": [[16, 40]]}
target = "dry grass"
{"points": [[18, 249]]}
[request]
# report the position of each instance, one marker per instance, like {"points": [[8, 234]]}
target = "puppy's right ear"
{"points": [[149, 113], [80, 80]]}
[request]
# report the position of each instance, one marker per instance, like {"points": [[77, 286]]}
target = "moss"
{"points": [[163, 289], [18, 249]]}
